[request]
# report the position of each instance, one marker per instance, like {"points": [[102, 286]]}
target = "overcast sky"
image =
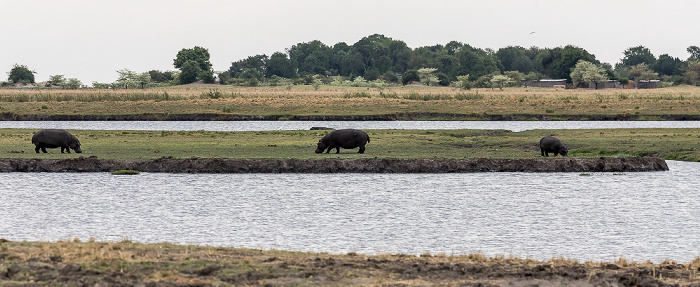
{"points": [[92, 39]]}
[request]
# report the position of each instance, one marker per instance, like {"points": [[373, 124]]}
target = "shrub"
{"points": [[443, 79], [410, 76]]}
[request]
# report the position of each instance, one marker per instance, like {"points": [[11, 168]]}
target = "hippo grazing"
{"points": [[347, 138], [55, 138], [550, 144]]}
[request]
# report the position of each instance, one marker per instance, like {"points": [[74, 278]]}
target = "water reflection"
{"points": [[639, 216]]}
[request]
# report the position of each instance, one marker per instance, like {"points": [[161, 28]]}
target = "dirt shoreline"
{"points": [[8, 116], [219, 165], [133, 264]]}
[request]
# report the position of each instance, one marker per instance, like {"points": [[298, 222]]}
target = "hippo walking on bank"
{"points": [[51, 138], [551, 144], [347, 138]]}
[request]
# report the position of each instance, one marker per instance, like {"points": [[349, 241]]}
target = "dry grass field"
{"points": [[348, 101]]}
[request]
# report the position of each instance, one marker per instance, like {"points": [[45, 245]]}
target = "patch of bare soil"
{"points": [[219, 165]]}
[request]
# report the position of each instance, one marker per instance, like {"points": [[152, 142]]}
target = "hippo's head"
{"points": [[564, 151], [75, 145], [321, 147]]}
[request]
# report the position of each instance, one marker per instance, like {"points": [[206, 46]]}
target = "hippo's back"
{"points": [[52, 137]]}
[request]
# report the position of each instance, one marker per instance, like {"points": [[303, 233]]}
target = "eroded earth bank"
{"points": [[219, 165]]}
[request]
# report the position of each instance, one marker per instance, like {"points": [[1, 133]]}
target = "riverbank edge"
{"points": [[9, 116], [163, 264], [337, 165]]}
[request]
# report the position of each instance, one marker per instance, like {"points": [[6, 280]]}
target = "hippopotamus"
{"points": [[551, 144], [347, 138], [51, 138]]}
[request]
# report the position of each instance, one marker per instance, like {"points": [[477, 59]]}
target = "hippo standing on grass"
{"points": [[347, 138], [550, 144], [55, 138]]}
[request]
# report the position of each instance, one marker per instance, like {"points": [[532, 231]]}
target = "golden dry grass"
{"points": [[331, 100]]}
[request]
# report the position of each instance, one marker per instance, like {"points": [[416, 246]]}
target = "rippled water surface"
{"points": [[602, 216], [305, 125]]}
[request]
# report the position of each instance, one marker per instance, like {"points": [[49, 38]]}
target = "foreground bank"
{"points": [[75, 263], [219, 165]]}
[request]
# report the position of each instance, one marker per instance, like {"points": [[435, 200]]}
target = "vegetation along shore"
{"points": [[304, 102], [125, 263]]}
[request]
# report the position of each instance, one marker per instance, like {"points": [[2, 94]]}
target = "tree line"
{"points": [[380, 59]]}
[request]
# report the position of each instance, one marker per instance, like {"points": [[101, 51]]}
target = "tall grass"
{"points": [[97, 97]]}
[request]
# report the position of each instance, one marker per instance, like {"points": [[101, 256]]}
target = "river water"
{"points": [[600, 217], [305, 125]]}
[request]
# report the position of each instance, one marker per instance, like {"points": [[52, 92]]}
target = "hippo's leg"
{"points": [[43, 149], [337, 150], [542, 152], [362, 149], [36, 149], [67, 149]]}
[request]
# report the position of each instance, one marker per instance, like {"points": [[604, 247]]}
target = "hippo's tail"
{"points": [[367, 138]]}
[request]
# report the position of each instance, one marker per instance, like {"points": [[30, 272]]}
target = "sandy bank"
{"points": [[217, 165]]}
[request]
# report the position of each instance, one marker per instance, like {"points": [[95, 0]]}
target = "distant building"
{"points": [[610, 84], [651, 84], [545, 83]]}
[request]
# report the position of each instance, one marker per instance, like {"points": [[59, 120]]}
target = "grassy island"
{"points": [[672, 144]]}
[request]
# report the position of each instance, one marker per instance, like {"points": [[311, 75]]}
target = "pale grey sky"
{"points": [[92, 39]]}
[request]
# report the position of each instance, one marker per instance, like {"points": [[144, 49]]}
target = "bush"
{"points": [[389, 77], [410, 76], [21, 74], [443, 79], [371, 74]]}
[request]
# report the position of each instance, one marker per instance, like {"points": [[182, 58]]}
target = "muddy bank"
{"points": [[133, 264], [217, 165], [385, 117]]}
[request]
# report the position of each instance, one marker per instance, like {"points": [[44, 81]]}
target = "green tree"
{"points": [[691, 76], [517, 77], [73, 84], [443, 79], [641, 72], [500, 81], [427, 77], [57, 80], [637, 55], [475, 62], [463, 82], [160, 77], [279, 65], [587, 72], [310, 58], [21, 74], [197, 54], [515, 58], [570, 55], [694, 52], [410, 76], [667, 65], [189, 71], [207, 76]]}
